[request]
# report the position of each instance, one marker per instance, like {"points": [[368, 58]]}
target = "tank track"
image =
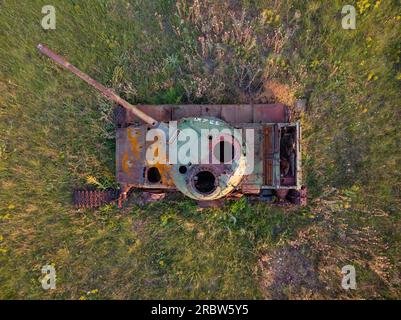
{"points": [[94, 198]]}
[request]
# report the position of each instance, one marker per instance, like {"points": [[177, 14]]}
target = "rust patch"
{"points": [[270, 113], [268, 155], [285, 272], [163, 167], [164, 170], [135, 146], [124, 163]]}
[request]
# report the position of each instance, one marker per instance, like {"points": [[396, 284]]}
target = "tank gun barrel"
{"points": [[107, 92]]}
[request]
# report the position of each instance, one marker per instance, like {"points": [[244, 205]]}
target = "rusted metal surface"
{"points": [[253, 181], [288, 181], [230, 113], [271, 113], [268, 155], [237, 113], [247, 188], [289, 155], [130, 151], [131, 165], [185, 111], [132, 168], [161, 113], [107, 92], [281, 193]]}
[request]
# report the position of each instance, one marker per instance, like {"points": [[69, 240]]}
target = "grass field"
{"points": [[56, 134]]}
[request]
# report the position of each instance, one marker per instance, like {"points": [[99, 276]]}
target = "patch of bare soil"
{"points": [[274, 91], [340, 239], [309, 267], [287, 270]]}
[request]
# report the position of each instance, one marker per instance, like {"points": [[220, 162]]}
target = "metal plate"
{"points": [[231, 113]]}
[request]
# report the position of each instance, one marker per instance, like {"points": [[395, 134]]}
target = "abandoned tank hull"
{"points": [[276, 169]]}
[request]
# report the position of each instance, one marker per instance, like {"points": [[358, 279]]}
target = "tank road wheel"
{"points": [[94, 198]]}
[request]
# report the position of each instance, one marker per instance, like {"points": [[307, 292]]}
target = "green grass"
{"points": [[55, 131]]}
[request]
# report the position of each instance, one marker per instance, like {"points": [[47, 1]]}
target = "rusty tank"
{"points": [[206, 152]]}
